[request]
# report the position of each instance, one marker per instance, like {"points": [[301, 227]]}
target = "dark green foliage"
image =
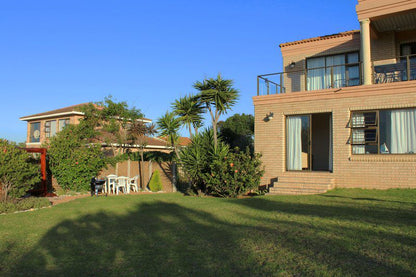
{"points": [[115, 124], [197, 157], [190, 111], [169, 126], [218, 96], [18, 171], [233, 175], [24, 204], [218, 171], [155, 184], [72, 160], [238, 131]]}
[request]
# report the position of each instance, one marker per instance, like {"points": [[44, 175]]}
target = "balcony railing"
{"points": [[337, 76]]}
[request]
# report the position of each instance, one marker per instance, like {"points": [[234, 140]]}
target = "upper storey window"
{"points": [[333, 71], [63, 123], [35, 132], [50, 128]]}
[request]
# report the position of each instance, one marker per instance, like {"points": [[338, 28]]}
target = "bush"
{"points": [[23, 204], [196, 158], [73, 161], [217, 171], [19, 172], [155, 184], [234, 175]]}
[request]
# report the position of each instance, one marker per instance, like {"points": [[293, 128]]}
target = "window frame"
{"points": [[377, 127], [347, 65], [31, 133], [66, 123], [48, 128]]}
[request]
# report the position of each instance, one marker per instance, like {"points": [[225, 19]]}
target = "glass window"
{"points": [[384, 132], [63, 123], [333, 71], [35, 132], [50, 128]]}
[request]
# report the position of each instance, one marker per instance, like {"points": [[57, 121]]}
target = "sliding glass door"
{"points": [[297, 142], [309, 142]]}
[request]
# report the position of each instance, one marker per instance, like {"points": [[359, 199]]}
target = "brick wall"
{"points": [[364, 171]]}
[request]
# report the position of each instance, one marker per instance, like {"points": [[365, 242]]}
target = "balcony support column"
{"points": [[366, 51]]}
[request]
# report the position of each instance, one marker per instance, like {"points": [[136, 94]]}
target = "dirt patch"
{"points": [[65, 198]]}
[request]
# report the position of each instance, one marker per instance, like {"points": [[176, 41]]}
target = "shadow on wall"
{"points": [[271, 237]]}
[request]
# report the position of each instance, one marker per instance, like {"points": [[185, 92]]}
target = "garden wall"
{"points": [[131, 169]]}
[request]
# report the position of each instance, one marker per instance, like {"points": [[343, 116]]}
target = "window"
{"points": [[63, 123], [333, 71], [408, 60], [383, 132], [35, 132], [50, 128]]}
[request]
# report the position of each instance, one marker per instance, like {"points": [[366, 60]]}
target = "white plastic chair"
{"points": [[121, 183], [110, 184], [132, 184]]}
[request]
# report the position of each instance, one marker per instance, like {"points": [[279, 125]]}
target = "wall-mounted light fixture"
{"points": [[292, 65], [268, 117]]}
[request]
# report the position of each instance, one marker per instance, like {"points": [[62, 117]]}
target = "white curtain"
{"points": [[294, 143], [403, 131], [331, 159], [53, 128], [316, 77], [337, 63]]}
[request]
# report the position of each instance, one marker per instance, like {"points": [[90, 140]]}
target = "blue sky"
{"points": [[148, 53]]}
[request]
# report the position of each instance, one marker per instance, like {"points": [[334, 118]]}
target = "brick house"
{"points": [[343, 112], [42, 126]]}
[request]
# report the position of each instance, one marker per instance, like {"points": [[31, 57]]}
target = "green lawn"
{"points": [[341, 233]]}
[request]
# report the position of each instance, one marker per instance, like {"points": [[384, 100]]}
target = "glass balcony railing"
{"points": [[337, 76]]}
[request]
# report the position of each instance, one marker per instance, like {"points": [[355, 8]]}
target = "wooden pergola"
{"points": [[43, 190]]}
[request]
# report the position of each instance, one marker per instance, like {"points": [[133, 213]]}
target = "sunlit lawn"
{"points": [[344, 232]]}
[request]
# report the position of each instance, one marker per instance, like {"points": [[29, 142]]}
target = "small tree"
{"points": [[238, 131], [190, 110], [218, 96], [73, 160], [155, 184], [169, 126], [118, 126], [18, 172]]}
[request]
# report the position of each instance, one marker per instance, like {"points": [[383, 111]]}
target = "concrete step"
{"points": [[306, 179], [297, 185], [295, 191]]}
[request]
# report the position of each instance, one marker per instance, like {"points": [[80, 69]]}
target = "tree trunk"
{"points": [[190, 131]]}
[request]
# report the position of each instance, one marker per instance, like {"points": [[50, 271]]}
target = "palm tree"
{"points": [[169, 126], [218, 96], [190, 111]]}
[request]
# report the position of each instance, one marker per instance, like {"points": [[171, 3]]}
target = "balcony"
{"points": [[336, 76]]}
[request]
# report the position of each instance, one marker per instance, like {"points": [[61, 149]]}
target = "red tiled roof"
{"points": [[75, 109], [183, 141], [338, 35]]}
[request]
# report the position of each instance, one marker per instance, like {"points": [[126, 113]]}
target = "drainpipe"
{"points": [[366, 51]]}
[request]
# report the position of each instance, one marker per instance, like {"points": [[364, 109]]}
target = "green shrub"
{"points": [[218, 171], [197, 157], [19, 172], [155, 184], [73, 161], [23, 204], [234, 175]]}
